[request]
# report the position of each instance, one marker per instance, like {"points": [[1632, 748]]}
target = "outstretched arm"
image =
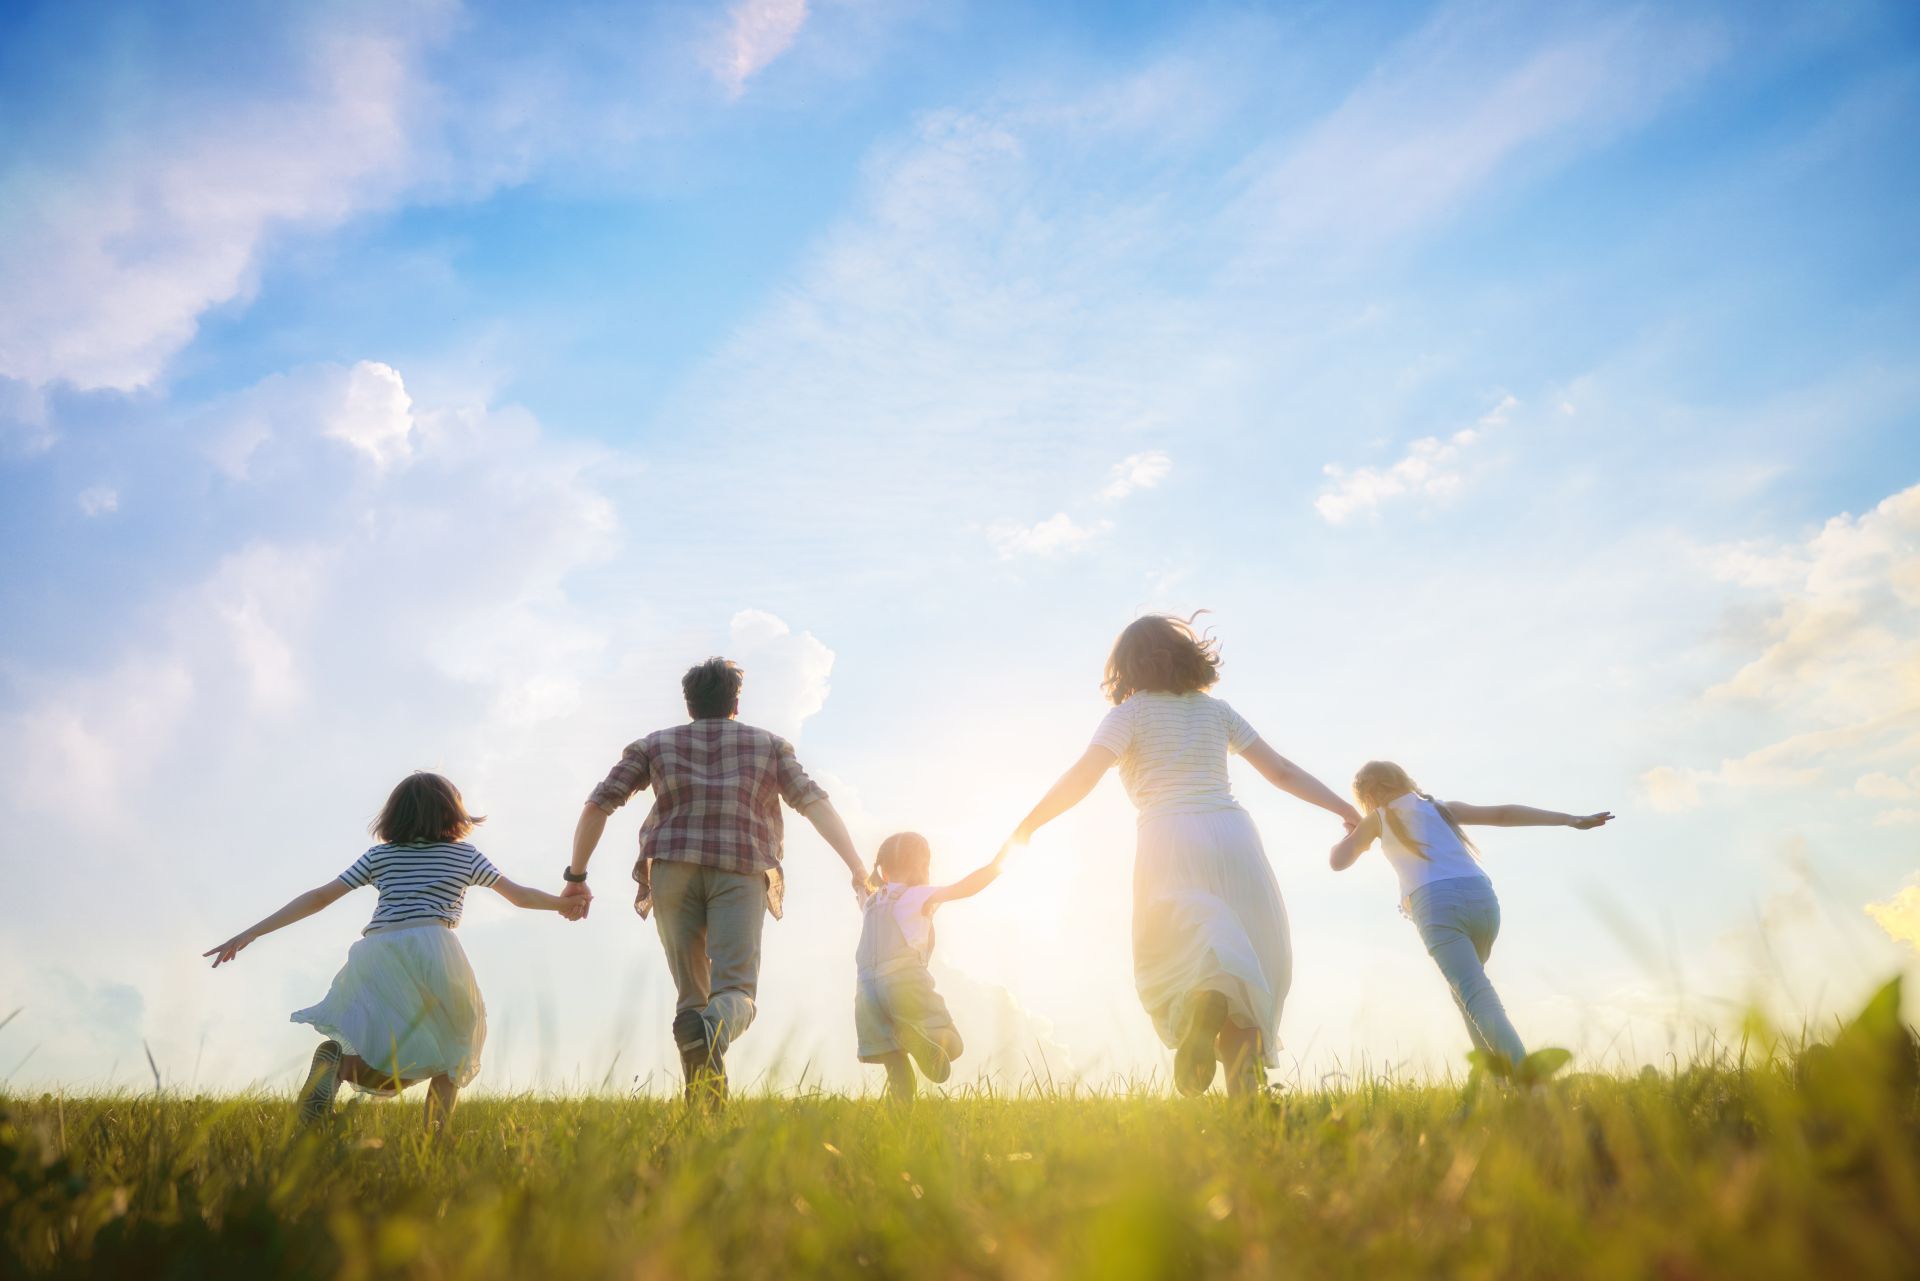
{"points": [[298, 909], [1522, 816], [1294, 781], [970, 884], [572, 907], [1356, 842], [1073, 787], [826, 821]]}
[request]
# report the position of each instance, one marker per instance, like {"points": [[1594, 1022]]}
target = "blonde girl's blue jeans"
{"points": [[1458, 920]]}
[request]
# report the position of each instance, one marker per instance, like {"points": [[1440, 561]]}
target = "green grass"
{"points": [[1791, 1166]]}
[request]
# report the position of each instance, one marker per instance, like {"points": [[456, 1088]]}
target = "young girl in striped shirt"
{"points": [[405, 1008], [1445, 890]]}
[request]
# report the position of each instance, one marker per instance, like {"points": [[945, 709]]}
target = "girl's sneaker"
{"points": [[323, 1082], [1193, 1061]]}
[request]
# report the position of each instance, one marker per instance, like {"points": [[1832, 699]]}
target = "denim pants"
{"points": [[710, 923], [1458, 920]]}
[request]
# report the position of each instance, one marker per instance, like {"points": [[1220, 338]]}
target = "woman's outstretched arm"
{"points": [[1294, 781], [1073, 787], [298, 909], [1522, 816]]}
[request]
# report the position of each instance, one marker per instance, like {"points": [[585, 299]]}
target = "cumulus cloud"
{"points": [[1057, 535], [1431, 468], [758, 32], [1899, 916], [787, 672], [1839, 655]]}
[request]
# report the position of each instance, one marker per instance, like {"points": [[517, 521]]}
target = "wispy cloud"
{"points": [[1057, 535], [1432, 467], [127, 242], [1839, 649], [1137, 471], [99, 500], [758, 32]]}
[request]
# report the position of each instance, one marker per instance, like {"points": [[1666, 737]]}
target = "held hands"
{"points": [[1585, 821], [229, 949], [579, 899]]}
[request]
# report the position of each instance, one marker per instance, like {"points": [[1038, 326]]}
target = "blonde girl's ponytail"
{"points": [[875, 878], [1379, 783]]}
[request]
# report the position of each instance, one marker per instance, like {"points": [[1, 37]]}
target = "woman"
{"points": [[1211, 956]]}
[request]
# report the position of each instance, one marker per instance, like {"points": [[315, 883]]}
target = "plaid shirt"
{"points": [[717, 787]]}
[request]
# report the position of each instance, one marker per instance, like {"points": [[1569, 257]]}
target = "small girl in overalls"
{"points": [[900, 1018]]}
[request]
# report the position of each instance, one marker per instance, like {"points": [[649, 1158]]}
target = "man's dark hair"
{"points": [[712, 689]]}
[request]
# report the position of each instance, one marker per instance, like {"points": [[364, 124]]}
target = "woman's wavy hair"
{"points": [[897, 855], [1380, 782], [424, 810], [1161, 653]]}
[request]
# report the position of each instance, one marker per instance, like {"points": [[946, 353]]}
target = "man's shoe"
{"points": [[1193, 1061], [323, 1082], [702, 1061]]}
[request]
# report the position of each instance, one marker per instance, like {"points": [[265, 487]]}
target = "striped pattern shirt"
{"points": [[1173, 751], [420, 883], [717, 787]]}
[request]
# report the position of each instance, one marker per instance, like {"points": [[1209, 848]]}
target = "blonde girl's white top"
{"points": [[910, 939], [1447, 857], [1173, 751]]}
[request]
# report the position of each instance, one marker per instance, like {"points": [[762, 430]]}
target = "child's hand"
{"points": [[1591, 820], [228, 950], [574, 909]]}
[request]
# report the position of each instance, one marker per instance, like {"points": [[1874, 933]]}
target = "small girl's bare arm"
{"points": [[539, 900]]}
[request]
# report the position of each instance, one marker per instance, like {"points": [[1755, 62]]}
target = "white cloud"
{"points": [[1058, 534], [128, 240], [1839, 656], [786, 673], [99, 500], [375, 415], [1431, 468], [1882, 787], [1137, 471], [758, 32], [1898, 817]]}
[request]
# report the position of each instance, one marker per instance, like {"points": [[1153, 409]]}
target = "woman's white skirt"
{"points": [[406, 1002], [1207, 917]]}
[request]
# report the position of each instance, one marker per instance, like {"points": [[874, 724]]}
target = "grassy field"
{"points": [[1789, 1166]]}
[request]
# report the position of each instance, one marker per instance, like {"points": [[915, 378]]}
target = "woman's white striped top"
{"points": [[1173, 751], [420, 883]]}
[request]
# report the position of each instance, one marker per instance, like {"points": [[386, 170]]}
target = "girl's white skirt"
{"points": [[1207, 917], [407, 1003]]}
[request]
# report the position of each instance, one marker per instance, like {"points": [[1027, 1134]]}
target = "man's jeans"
{"points": [[1459, 918], [710, 927]]}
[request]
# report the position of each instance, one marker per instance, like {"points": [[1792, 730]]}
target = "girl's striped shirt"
{"points": [[420, 883]]}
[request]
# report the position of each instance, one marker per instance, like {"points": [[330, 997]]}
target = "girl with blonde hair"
{"points": [[899, 1016], [1445, 890]]}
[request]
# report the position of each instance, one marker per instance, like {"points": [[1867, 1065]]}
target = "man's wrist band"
{"points": [[571, 879]]}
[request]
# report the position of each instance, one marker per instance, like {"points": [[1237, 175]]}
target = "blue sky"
{"points": [[1529, 394]]}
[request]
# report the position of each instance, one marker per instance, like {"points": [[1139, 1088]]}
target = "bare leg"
{"points": [[357, 1071], [442, 1094], [1239, 1049], [900, 1083]]}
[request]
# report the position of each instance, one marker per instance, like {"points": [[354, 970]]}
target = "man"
{"points": [[710, 857]]}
